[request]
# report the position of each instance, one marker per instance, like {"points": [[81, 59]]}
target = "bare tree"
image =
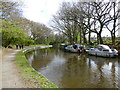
{"points": [[82, 18], [65, 21], [9, 9], [111, 26]]}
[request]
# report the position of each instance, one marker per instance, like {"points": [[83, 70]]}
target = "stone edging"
{"points": [[34, 48]]}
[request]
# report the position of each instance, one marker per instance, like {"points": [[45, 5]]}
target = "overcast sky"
{"points": [[42, 11]]}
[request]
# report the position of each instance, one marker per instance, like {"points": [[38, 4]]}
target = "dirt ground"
{"points": [[9, 73]]}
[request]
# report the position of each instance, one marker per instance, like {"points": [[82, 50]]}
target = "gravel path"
{"points": [[10, 76]]}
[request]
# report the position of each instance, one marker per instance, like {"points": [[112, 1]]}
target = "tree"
{"points": [[65, 21], [101, 17], [112, 25], [9, 9], [12, 34], [11, 31], [82, 18], [40, 33], [88, 22]]}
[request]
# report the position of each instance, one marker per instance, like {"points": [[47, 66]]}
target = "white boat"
{"points": [[103, 50], [74, 48]]}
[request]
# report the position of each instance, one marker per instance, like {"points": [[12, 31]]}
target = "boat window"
{"points": [[105, 50], [75, 46], [100, 48], [112, 49], [81, 47]]}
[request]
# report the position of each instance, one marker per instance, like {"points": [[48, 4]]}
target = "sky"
{"points": [[42, 11]]}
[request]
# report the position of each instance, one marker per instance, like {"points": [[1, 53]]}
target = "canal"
{"points": [[73, 70]]}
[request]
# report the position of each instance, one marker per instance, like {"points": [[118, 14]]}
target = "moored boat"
{"points": [[103, 50], [74, 48]]}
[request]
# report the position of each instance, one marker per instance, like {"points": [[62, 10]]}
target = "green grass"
{"points": [[30, 75]]}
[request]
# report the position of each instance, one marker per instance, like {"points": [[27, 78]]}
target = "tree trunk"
{"points": [[89, 40], [101, 41], [114, 26], [89, 36], [75, 38], [84, 39], [80, 36], [99, 34], [113, 38], [99, 38], [71, 40]]}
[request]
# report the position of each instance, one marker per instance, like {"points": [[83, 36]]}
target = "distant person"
{"points": [[22, 46], [16, 46]]}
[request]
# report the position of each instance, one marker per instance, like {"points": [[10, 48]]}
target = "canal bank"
{"points": [[30, 75]]}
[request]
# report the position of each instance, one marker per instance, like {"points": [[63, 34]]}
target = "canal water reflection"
{"points": [[72, 70]]}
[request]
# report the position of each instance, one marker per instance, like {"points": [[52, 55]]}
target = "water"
{"points": [[72, 70]]}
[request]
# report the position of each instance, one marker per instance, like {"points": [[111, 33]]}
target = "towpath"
{"points": [[10, 75]]}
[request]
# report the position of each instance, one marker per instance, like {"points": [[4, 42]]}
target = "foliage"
{"points": [[17, 30], [40, 33], [31, 75], [29, 42], [12, 34]]}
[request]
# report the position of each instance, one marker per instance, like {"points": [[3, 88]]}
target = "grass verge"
{"points": [[29, 75]]}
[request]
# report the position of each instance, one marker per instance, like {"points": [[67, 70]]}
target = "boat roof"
{"points": [[104, 46], [78, 44]]}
